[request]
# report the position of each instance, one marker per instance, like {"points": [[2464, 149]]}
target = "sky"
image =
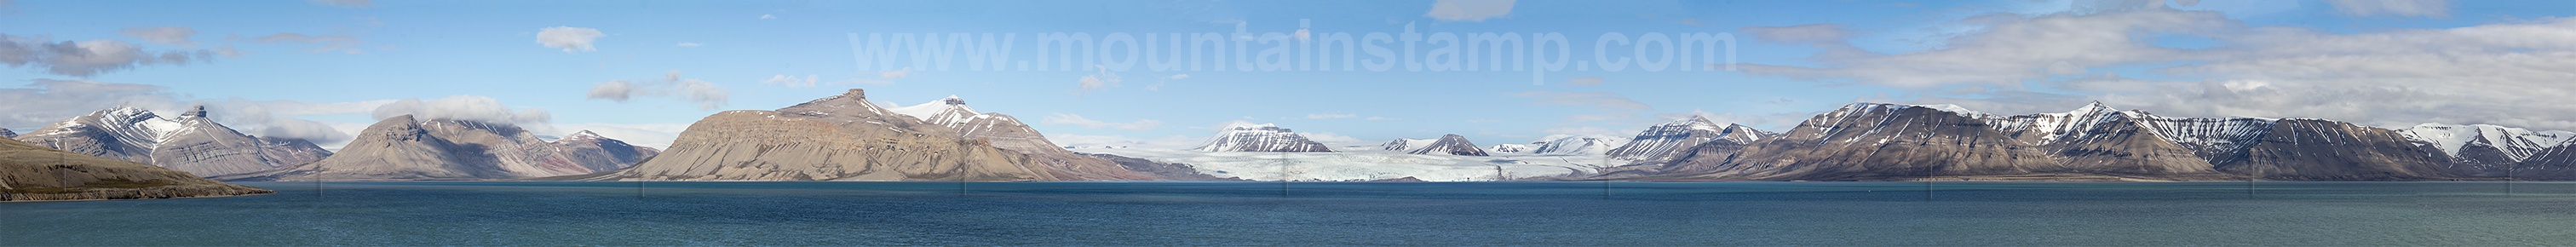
{"points": [[1117, 73]]}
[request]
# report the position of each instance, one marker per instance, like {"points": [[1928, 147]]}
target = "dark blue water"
{"points": [[1441, 214]]}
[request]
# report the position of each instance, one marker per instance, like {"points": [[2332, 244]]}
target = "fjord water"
{"points": [[1252, 213]]}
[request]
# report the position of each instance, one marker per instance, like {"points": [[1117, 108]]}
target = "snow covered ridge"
{"points": [[1240, 136], [1669, 140], [2516, 143], [2234, 133]]}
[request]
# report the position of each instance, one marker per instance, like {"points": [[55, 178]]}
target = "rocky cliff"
{"points": [[35, 173]]}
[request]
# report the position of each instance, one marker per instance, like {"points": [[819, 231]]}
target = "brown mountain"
{"points": [[403, 148], [35, 173], [837, 138]]}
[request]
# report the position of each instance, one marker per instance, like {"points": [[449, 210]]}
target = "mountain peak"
{"points": [[584, 134], [953, 100], [199, 112]]}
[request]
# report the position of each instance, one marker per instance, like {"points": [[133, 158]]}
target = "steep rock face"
{"points": [[1451, 144], [5, 133], [2486, 150], [838, 138], [1667, 141], [190, 142], [1008, 133], [2322, 150], [1247, 137], [1874, 142], [35, 173]]}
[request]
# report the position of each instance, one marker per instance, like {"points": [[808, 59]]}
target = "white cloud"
{"points": [[1379, 118], [570, 39], [709, 96], [656, 135], [1589, 130], [177, 36], [1584, 81], [1336, 140], [1799, 34], [1167, 142], [1102, 78], [468, 108], [687, 44], [325, 43], [768, 17], [1469, 10], [1077, 120], [1177, 77], [1480, 120], [87, 58], [897, 74], [2506, 73], [1330, 116], [2404, 8], [782, 80]]}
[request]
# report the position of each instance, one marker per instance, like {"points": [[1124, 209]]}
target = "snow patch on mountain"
{"points": [[2517, 143]]}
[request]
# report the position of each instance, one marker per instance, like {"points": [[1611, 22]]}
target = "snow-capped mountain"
{"points": [[1405, 144], [5, 133], [1562, 144], [1665, 141], [190, 142], [2481, 149], [1888, 141], [1508, 148], [1240, 136], [1451, 144]]}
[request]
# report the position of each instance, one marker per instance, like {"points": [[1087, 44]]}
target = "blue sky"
{"points": [[312, 69]]}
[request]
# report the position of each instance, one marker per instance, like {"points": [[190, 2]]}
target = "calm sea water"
{"points": [[1251, 213]]}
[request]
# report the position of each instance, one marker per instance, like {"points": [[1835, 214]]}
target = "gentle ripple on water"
{"points": [[1250, 213]]}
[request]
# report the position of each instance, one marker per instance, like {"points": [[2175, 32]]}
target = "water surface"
{"points": [[1253, 213]]}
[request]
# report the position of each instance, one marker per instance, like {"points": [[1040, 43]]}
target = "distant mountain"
{"points": [[5, 133], [1451, 144], [190, 142], [36, 173], [1405, 144], [1241, 136], [1667, 141], [403, 148], [1865, 141], [1576, 145], [1008, 133], [2486, 150], [1508, 148], [847, 138]]}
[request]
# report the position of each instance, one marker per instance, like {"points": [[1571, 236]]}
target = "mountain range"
{"points": [[846, 138], [404, 148], [190, 142]]}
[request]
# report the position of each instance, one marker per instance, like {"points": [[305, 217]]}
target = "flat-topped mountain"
{"points": [[36, 173], [837, 138], [190, 142]]}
